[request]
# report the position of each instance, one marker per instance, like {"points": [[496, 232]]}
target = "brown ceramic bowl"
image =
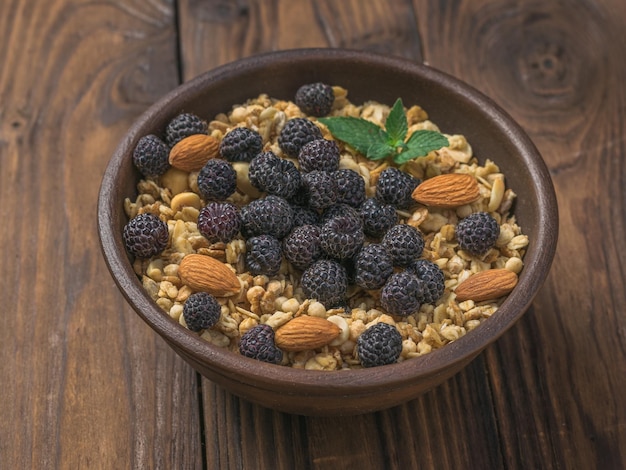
{"points": [[454, 106]]}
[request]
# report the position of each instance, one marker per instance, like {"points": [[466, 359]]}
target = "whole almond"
{"points": [[207, 274], [306, 332], [447, 191], [191, 153], [486, 285]]}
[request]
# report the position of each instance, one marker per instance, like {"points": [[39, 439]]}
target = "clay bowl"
{"points": [[454, 106]]}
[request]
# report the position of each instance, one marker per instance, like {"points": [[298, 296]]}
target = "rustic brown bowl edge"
{"points": [[351, 391]]}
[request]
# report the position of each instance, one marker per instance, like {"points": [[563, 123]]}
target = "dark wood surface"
{"points": [[85, 384]]}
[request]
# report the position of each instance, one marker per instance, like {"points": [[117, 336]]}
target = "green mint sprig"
{"points": [[377, 143]]}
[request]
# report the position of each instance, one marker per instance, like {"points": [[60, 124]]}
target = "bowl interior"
{"points": [[454, 106]]}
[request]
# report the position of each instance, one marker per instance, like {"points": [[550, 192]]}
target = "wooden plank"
{"points": [[85, 383], [422, 434], [214, 32], [558, 68], [446, 428]]}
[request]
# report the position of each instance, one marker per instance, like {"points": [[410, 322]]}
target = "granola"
{"points": [[276, 300]]}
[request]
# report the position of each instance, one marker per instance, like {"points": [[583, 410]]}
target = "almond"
{"points": [[207, 274], [306, 332], [486, 285], [191, 153], [447, 191]]}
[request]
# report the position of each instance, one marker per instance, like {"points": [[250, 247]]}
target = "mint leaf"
{"points": [[421, 143], [380, 150], [396, 124], [356, 132], [376, 143]]}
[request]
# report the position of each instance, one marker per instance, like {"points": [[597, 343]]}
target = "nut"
{"points": [[207, 274], [191, 153], [447, 190], [306, 332], [486, 285], [185, 199]]}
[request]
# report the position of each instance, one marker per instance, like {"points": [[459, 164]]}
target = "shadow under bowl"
{"points": [[454, 106]]}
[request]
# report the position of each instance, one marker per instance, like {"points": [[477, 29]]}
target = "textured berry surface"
{"points": [[325, 280], [315, 99], [258, 343], [395, 187], [302, 246], [378, 217], [379, 345], [145, 235], [320, 189], [182, 126], [342, 237], [373, 266], [241, 145], [304, 216], [432, 278], [201, 311], [217, 180], [400, 294], [340, 210], [151, 156], [257, 167], [274, 175], [219, 222], [271, 215], [477, 233], [404, 243], [320, 155], [350, 187], [295, 134], [263, 255]]}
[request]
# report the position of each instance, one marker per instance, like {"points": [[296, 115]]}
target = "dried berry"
{"points": [[326, 281], [201, 311], [241, 144], [304, 216], [320, 189], [373, 266], [274, 175], [258, 343], [182, 126], [295, 134], [151, 156], [271, 215], [302, 246], [342, 237], [379, 345], [350, 187], [377, 217], [320, 155], [315, 99], [263, 255], [219, 222], [400, 294], [395, 187], [404, 243], [432, 278], [217, 180], [477, 233], [340, 210], [145, 235]]}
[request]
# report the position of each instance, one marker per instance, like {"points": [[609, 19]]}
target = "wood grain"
{"points": [[85, 383], [214, 32], [559, 69]]}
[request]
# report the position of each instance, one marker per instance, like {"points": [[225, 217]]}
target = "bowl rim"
{"points": [[289, 380]]}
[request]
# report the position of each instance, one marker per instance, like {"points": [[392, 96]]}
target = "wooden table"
{"points": [[86, 384]]}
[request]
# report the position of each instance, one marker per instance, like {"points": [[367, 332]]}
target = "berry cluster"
{"points": [[312, 215]]}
